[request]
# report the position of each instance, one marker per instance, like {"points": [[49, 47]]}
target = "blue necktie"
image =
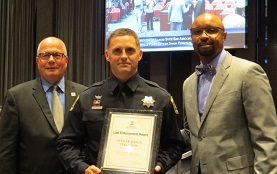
{"points": [[201, 69]]}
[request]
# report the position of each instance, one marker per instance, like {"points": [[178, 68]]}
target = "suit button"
{"points": [[200, 138]]}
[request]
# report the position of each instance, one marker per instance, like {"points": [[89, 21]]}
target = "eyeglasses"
{"points": [[208, 30], [55, 55]]}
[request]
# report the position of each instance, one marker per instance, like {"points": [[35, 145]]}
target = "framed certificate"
{"points": [[130, 141]]}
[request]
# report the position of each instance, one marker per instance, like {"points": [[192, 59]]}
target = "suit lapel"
{"points": [[40, 97], [218, 82], [193, 100]]}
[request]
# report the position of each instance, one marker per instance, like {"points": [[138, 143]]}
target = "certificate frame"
{"points": [[130, 141]]}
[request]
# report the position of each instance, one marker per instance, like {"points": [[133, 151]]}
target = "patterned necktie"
{"points": [[201, 69], [57, 109]]}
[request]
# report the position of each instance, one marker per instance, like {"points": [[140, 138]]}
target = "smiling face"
{"points": [[208, 45], [52, 70], [123, 54]]}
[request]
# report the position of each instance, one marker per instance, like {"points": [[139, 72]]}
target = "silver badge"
{"points": [[148, 101]]}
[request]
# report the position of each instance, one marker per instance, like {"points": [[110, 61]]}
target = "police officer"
{"points": [[123, 89]]}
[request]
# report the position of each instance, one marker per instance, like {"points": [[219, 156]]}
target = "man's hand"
{"points": [[92, 170], [95, 170], [158, 168]]}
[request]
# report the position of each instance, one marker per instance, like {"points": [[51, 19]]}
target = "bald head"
{"points": [[56, 42], [209, 19], [208, 36]]}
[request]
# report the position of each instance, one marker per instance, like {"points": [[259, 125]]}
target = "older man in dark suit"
{"points": [[28, 129]]}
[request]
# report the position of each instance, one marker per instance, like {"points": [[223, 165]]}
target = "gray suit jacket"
{"points": [[28, 132], [238, 132]]}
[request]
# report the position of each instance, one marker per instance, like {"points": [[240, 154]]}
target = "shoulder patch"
{"points": [[174, 105], [72, 107]]}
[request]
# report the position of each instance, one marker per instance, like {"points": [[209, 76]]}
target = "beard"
{"points": [[206, 52]]}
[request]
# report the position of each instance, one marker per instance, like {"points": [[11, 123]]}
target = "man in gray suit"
{"points": [[28, 131], [229, 110]]}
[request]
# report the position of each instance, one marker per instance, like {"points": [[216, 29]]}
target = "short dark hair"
{"points": [[123, 32]]}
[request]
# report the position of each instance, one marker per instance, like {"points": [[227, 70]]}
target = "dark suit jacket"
{"points": [[28, 132], [238, 132]]}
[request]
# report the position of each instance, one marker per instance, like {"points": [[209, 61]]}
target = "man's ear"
{"points": [[140, 55], [107, 55], [225, 36]]}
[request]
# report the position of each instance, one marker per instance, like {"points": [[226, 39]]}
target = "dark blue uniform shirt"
{"points": [[85, 121]]}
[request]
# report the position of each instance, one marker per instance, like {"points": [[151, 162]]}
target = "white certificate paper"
{"points": [[129, 142]]}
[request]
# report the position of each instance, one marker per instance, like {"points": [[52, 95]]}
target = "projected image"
{"points": [[164, 25]]}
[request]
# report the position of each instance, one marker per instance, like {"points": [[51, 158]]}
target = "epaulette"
{"points": [[151, 83], [96, 84], [99, 83]]}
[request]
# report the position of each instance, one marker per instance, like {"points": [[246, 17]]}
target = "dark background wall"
{"points": [[168, 69]]}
